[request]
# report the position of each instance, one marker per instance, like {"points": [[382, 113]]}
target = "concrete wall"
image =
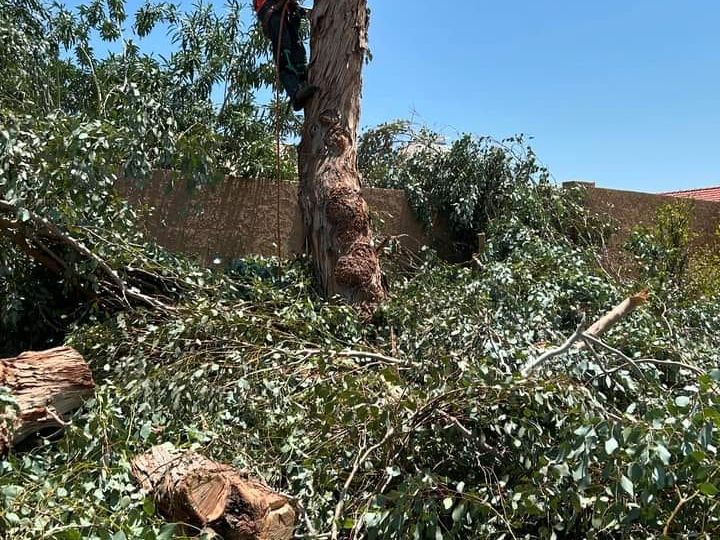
{"points": [[237, 217], [630, 209]]}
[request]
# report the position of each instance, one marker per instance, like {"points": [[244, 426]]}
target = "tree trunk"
{"points": [[46, 387], [193, 489], [337, 221]]}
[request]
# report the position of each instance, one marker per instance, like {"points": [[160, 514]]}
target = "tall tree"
{"points": [[336, 216]]}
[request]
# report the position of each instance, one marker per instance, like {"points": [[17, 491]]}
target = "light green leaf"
{"points": [[708, 489], [682, 401], [610, 446], [167, 531], [627, 485], [663, 453]]}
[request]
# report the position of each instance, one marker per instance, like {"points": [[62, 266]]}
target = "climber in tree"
{"points": [[286, 35]]}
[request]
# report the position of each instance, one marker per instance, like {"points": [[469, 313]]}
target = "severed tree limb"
{"points": [[635, 362], [682, 501], [597, 329], [354, 354], [612, 317], [34, 236], [359, 461], [46, 386], [190, 488]]}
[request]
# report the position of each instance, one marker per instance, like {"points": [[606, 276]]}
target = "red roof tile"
{"points": [[704, 194]]}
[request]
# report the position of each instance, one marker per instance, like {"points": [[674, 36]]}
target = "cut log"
{"points": [[337, 221], [190, 488], [47, 386]]}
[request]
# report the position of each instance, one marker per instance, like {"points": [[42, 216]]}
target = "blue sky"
{"points": [[625, 93]]}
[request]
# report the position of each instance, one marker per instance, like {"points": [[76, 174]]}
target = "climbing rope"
{"points": [[278, 133]]}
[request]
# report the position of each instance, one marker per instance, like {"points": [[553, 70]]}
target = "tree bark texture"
{"points": [[337, 221], [190, 488], [47, 386]]}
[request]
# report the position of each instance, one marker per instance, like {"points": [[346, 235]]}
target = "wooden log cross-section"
{"points": [[190, 488], [46, 386]]}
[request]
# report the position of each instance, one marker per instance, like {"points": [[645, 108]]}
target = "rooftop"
{"points": [[704, 194]]}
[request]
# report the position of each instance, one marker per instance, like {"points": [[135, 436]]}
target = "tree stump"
{"points": [[46, 386], [190, 488]]}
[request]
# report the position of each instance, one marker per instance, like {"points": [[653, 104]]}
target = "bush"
{"points": [[475, 183]]}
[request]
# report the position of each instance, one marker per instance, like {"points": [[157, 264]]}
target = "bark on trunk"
{"points": [[47, 386], [337, 221], [193, 489]]}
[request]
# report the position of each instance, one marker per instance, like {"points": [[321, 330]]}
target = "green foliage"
{"points": [[668, 259], [662, 249], [473, 184], [72, 120], [248, 371], [424, 403], [703, 274]]}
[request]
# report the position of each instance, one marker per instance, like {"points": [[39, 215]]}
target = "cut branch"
{"points": [[46, 386], [579, 339], [540, 360], [615, 315], [34, 236], [359, 461], [193, 489]]}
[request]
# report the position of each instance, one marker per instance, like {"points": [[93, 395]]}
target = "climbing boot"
{"points": [[302, 96]]}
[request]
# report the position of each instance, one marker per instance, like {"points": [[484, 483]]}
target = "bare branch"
{"points": [[612, 317], [361, 458], [539, 361]]}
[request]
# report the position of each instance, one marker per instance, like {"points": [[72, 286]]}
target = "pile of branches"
{"points": [[457, 412], [454, 414]]}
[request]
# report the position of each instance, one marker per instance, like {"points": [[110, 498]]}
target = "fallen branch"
{"points": [[682, 501], [192, 489], [597, 329], [540, 360], [36, 234], [354, 354], [636, 361], [615, 315], [46, 387], [361, 458]]}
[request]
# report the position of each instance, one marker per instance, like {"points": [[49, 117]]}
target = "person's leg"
{"points": [[297, 56], [273, 25], [292, 60]]}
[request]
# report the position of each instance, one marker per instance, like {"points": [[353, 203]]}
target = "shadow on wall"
{"points": [[238, 217]]}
